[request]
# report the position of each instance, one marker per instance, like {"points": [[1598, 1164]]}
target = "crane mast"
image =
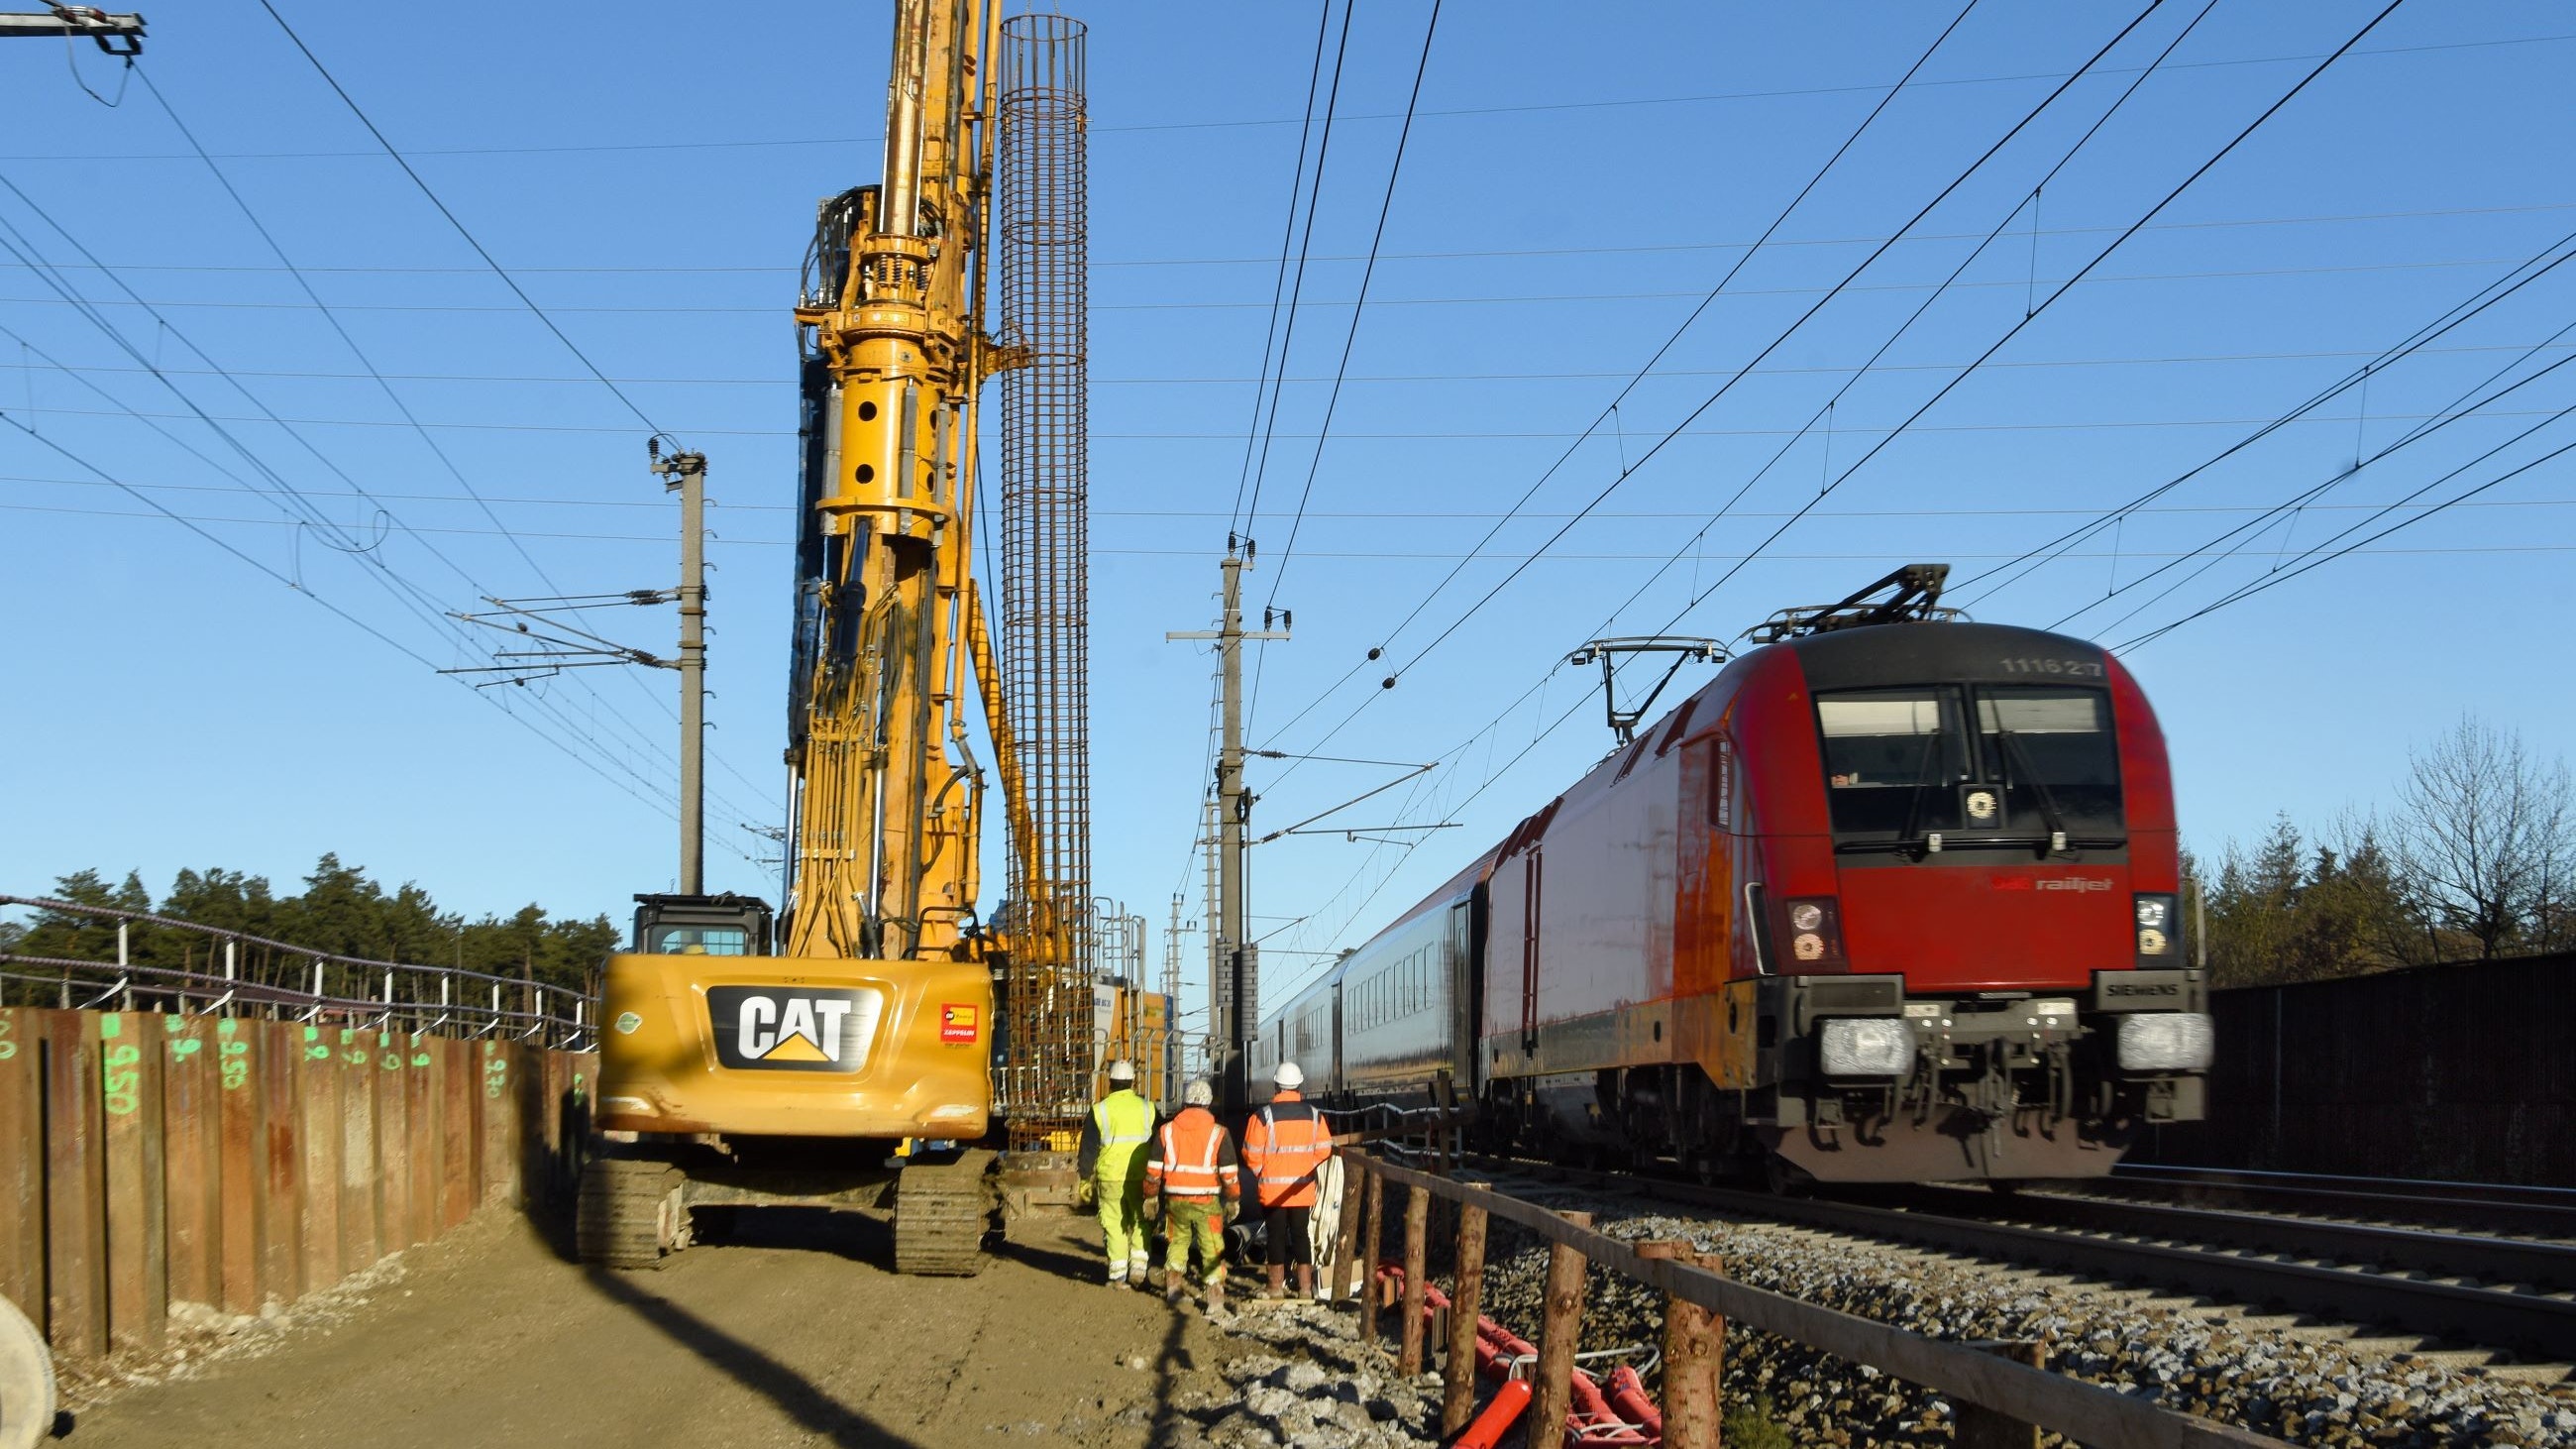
{"points": [[886, 790]]}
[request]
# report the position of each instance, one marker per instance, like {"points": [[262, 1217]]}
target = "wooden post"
{"points": [[1984, 1428], [1559, 1333], [1458, 1374], [1694, 1354], [1417, 1259], [1346, 1240], [1365, 1259]]}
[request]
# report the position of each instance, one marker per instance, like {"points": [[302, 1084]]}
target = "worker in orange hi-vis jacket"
{"points": [[1192, 1160], [1283, 1145]]}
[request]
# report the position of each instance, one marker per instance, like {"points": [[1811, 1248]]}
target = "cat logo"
{"points": [[788, 1028]]}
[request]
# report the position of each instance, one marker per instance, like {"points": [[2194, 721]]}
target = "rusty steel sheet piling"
{"points": [[237, 1162]]}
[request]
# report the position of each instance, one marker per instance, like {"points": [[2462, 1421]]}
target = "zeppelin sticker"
{"points": [[957, 1024]]}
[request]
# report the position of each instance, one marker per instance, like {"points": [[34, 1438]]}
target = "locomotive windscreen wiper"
{"points": [[2047, 802]]}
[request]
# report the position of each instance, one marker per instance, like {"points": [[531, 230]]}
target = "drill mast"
{"points": [[886, 790]]}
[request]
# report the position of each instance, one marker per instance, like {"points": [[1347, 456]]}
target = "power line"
{"points": [[1368, 273], [2015, 330], [2530, 270], [497, 269], [1297, 288], [1611, 410], [1700, 98], [1287, 236], [393, 396]]}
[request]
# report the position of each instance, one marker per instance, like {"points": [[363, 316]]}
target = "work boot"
{"points": [[1172, 1289], [1216, 1298], [1138, 1273], [1278, 1287], [1305, 1280]]}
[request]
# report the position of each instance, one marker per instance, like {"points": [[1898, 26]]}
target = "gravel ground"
{"points": [[2303, 1386], [1313, 1390]]}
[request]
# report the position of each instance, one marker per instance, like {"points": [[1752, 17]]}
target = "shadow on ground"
{"points": [[802, 1399]]}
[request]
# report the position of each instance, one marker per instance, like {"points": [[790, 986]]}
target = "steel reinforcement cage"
{"points": [[1043, 258]]}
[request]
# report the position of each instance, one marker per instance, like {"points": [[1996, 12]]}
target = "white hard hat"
{"points": [[1198, 1093], [1122, 1070], [1288, 1076]]}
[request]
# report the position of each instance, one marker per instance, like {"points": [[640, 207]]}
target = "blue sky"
{"points": [[1569, 194]]}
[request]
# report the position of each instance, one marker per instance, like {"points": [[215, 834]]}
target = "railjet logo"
{"points": [[788, 1028]]}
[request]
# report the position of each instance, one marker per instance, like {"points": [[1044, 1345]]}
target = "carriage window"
{"points": [[1890, 757]]}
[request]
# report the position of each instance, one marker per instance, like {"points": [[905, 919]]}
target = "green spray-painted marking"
{"points": [[314, 1050], [184, 1048], [119, 1076], [111, 1025], [496, 1074], [9, 1048], [235, 1056]]}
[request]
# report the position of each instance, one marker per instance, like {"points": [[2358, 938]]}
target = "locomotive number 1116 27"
{"points": [[2080, 668]]}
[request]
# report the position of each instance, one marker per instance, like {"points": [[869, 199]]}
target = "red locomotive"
{"points": [[1893, 898]]}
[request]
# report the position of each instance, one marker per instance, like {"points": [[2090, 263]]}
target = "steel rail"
{"points": [[2494, 1260], [2527, 1323], [2484, 1206]]}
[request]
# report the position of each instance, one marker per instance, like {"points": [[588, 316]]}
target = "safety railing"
{"points": [[2010, 1398], [243, 975]]}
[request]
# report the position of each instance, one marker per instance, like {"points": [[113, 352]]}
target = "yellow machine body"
{"points": [[777, 1046]]}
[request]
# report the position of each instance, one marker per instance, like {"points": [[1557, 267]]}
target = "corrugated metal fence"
{"points": [[2463, 1073], [152, 1159]]}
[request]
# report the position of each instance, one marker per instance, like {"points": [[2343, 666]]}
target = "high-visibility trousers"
{"points": [[1196, 1221], [1121, 1202]]}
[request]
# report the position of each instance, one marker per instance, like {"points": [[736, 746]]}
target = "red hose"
{"points": [[1592, 1419], [1628, 1396], [1499, 1416]]}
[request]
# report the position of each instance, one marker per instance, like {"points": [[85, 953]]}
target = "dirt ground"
{"points": [[794, 1334]]}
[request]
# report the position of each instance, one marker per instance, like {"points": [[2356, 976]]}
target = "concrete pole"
{"points": [[1234, 988], [686, 474]]}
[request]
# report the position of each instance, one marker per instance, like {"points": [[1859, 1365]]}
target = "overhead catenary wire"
{"points": [[1611, 409], [1287, 239], [1297, 286], [1628, 469], [2533, 268]]}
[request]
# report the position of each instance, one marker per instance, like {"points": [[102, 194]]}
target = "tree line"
{"points": [[341, 910], [2475, 858]]}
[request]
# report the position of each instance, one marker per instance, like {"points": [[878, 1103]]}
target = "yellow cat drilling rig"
{"points": [[861, 1052]]}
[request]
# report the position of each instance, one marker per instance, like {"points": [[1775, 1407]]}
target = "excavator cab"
{"points": [[723, 925]]}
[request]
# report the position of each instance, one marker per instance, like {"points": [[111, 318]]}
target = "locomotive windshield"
{"points": [[1980, 764]]}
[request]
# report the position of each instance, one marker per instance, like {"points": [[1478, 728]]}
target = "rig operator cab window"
{"points": [[1905, 771]]}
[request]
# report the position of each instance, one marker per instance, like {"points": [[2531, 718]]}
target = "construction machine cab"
{"points": [[719, 925]]}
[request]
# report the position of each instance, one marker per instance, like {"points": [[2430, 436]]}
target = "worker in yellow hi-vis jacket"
{"points": [[1112, 1167]]}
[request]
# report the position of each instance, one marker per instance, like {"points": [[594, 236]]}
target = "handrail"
{"points": [[227, 992], [2087, 1413]]}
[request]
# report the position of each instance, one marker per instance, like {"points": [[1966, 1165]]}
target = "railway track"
{"points": [[2507, 1301], [2487, 1209]]}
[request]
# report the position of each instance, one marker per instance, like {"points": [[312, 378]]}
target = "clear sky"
{"points": [[1575, 183]]}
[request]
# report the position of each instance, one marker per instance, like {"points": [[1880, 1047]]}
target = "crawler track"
{"points": [[2461, 1288]]}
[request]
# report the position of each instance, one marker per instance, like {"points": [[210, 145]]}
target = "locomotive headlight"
{"points": [[2155, 925], [1866, 1047], [1816, 929], [2166, 1041]]}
